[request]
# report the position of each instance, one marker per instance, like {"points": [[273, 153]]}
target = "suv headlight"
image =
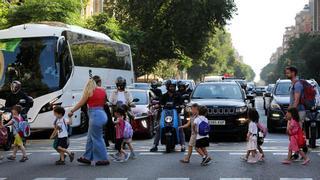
{"points": [[241, 109], [168, 119], [274, 105]]}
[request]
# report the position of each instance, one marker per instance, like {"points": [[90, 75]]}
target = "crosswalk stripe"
{"points": [[173, 178], [280, 154], [50, 178], [235, 178], [151, 153], [3, 178], [295, 178], [237, 154], [20, 154], [111, 178]]}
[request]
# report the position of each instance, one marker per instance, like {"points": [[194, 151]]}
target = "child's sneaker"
{"points": [[115, 156], [208, 161], [127, 156], [60, 162], [133, 155], [71, 156], [204, 160]]}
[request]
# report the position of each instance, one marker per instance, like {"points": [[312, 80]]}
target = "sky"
{"points": [[258, 27]]}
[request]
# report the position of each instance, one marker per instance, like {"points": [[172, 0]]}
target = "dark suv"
{"points": [[227, 107], [279, 103]]}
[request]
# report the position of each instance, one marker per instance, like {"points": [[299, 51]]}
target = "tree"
{"points": [[66, 11], [4, 8]]}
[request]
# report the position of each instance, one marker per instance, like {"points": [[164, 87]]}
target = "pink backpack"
{"points": [[263, 129]]}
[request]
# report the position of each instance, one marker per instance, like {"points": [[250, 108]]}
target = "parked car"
{"points": [[267, 97], [279, 103], [143, 86], [227, 107], [260, 90]]}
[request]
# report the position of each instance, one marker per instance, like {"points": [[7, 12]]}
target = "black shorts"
{"points": [[118, 144], [63, 142], [203, 142]]}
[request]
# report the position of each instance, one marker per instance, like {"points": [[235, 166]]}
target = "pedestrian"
{"points": [[252, 136], [192, 142], [120, 115], [202, 127], [296, 136], [127, 138], [95, 97], [60, 135], [18, 143], [296, 92]]}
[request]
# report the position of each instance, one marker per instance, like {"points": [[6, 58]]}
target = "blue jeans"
{"points": [[96, 147]]}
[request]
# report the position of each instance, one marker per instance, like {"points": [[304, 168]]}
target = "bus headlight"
{"points": [[168, 119]]}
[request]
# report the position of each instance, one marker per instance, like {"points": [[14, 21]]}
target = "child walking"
{"points": [[252, 136], [120, 115], [18, 143], [192, 142], [60, 134], [202, 127], [295, 133]]}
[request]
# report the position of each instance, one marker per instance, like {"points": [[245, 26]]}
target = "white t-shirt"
{"points": [[122, 97], [253, 129], [62, 127], [197, 122]]}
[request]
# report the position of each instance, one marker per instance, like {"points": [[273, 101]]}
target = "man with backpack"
{"points": [[302, 93]]}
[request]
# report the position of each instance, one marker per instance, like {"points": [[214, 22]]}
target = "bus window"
{"points": [[90, 52]]}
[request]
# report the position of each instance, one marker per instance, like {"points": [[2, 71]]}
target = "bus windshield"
{"points": [[31, 61]]}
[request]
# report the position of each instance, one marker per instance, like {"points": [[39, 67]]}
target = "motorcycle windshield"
{"points": [[32, 61]]}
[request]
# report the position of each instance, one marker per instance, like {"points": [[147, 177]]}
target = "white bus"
{"points": [[53, 61]]}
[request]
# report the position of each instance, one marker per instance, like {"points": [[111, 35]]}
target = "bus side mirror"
{"points": [[60, 43]]}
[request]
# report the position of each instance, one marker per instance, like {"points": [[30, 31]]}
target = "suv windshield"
{"points": [[31, 61], [217, 91], [283, 88]]}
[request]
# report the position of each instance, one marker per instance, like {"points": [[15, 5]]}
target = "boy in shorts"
{"points": [[60, 134]]}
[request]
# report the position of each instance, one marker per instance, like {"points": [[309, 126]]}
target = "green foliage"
{"points": [[66, 11], [304, 53], [4, 8]]}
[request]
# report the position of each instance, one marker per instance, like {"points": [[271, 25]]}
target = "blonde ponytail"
{"points": [[89, 88]]}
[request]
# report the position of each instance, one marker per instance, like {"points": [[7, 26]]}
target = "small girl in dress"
{"points": [[252, 135], [293, 128]]}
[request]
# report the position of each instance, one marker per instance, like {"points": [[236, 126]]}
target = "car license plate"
{"points": [[217, 122]]}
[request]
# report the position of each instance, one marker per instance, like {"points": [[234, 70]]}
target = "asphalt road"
{"points": [[160, 166]]}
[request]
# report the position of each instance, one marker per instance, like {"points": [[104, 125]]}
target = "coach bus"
{"points": [[53, 61]]}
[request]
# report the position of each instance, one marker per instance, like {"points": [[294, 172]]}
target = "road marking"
{"points": [[50, 178], [173, 178], [280, 154], [237, 154], [3, 178], [151, 153], [295, 178], [20, 154], [235, 178], [194, 153], [111, 178]]}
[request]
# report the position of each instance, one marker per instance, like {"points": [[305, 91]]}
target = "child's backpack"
{"points": [[24, 129], [301, 139], [309, 95], [204, 128], [3, 135], [263, 129], [128, 131]]}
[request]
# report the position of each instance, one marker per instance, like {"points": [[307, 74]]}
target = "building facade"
{"points": [[93, 7], [304, 21]]}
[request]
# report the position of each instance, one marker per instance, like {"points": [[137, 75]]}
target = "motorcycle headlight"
{"points": [[274, 105], [6, 116], [168, 119], [241, 109]]}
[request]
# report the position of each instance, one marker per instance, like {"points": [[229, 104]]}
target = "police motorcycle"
{"points": [[6, 116], [169, 126]]}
